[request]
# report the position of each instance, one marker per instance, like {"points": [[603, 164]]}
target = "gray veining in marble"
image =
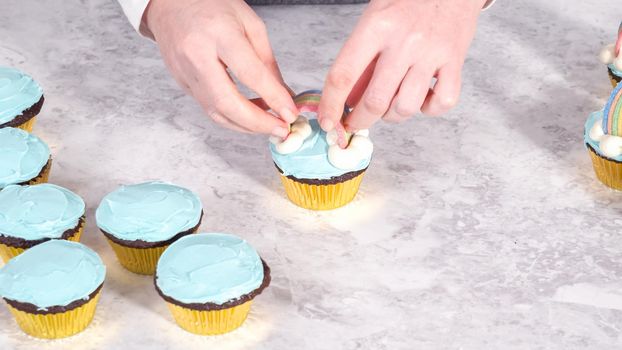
{"points": [[484, 229]]}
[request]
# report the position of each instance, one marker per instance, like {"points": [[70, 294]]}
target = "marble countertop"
{"points": [[483, 229]]}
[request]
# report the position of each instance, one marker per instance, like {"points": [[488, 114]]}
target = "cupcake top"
{"points": [[310, 153], [150, 212], [18, 92], [209, 268], [54, 273], [611, 55], [38, 211], [22, 156], [603, 129]]}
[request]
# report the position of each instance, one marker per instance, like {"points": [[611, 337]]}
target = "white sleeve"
{"points": [[134, 10], [489, 3]]}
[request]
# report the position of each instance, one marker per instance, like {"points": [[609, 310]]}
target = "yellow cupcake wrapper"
{"points": [[138, 260], [607, 171], [212, 322], [59, 325], [8, 252], [29, 125], [321, 197]]}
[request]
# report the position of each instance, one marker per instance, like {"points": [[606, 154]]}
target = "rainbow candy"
{"points": [[308, 101], [612, 113]]}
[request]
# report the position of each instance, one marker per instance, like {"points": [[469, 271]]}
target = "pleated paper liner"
{"points": [[8, 252], [138, 260], [56, 325], [607, 171], [613, 78], [321, 197], [29, 125], [211, 322]]}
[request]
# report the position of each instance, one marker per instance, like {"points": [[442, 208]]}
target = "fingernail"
{"points": [[327, 124], [288, 115], [280, 132]]}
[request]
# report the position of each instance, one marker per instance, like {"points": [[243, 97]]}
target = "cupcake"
{"points": [[24, 158], [31, 215], [603, 138], [140, 221], [209, 281], [316, 172], [52, 289], [611, 56], [21, 99]]}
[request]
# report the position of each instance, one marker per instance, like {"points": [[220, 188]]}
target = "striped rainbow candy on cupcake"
{"points": [[607, 130], [612, 125]]}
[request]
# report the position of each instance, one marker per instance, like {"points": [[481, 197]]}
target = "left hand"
{"points": [[386, 67]]}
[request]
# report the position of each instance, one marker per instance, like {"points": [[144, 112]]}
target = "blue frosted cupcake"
{"points": [[316, 172], [140, 221], [209, 281], [24, 158], [31, 215], [21, 99], [52, 289]]}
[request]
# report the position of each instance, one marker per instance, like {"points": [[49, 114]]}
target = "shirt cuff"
{"points": [[134, 10]]}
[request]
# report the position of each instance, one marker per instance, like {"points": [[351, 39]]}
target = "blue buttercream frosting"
{"points": [[54, 273], [615, 71], [39, 211], [151, 211], [209, 268], [311, 160], [22, 156], [18, 92]]}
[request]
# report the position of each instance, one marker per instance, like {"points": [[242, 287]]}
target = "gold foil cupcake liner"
{"points": [[607, 171], [29, 125], [321, 197], [613, 78], [8, 252], [211, 322], [138, 260], [59, 325]]}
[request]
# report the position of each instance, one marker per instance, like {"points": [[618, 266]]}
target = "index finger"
{"points": [[355, 55]]}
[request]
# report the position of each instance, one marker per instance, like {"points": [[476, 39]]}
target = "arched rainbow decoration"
{"points": [[612, 125], [309, 101]]}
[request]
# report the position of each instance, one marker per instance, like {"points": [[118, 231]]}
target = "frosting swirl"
{"points": [[209, 268], [151, 211], [312, 160], [54, 273], [39, 211], [22, 156], [18, 92]]}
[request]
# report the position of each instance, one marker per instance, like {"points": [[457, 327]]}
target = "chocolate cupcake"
{"points": [[316, 172], [31, 215], [52, 289], [140, 221], [24, 158], [21, 99], [209, 281]]}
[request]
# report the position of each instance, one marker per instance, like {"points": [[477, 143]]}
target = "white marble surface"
{"points": [[484, 229]]}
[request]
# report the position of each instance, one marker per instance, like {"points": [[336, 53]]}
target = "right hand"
{"points": [[200, 39]]}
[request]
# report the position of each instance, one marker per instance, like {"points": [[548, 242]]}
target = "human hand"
{"points": [[200, 39], [386, 67]]}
